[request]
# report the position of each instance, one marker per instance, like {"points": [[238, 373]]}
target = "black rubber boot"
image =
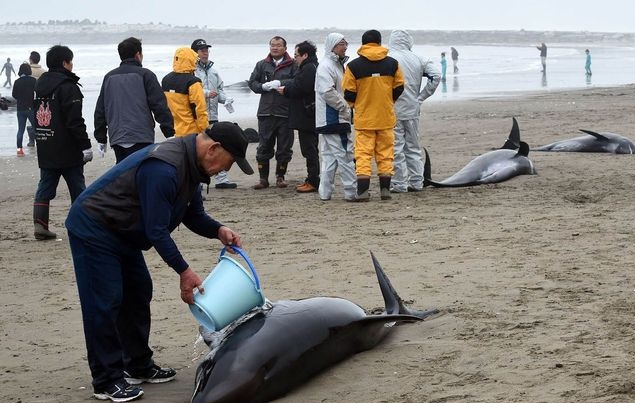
{"points": [[384, 187], [362, 190], [263, 171], [281, 171], [41, 221]]}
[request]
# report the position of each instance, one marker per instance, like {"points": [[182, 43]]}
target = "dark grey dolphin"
{"points": [[593, 143], [278, 349], [491, 167]]}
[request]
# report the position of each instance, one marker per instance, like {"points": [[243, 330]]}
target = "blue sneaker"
{"points": [[155, 374], [119, 392]]}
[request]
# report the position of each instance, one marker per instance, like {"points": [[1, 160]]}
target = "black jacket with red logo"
{"points": [[60, 128]]}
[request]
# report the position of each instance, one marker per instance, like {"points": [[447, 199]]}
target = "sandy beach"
{"points": [[533, 276]]}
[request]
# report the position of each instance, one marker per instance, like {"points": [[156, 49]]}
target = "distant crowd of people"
{"points": [[350, 117]]}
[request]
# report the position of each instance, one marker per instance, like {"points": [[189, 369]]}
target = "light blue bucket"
{"points": [[230, 292]]}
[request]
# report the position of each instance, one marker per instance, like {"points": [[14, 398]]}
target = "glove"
{"points": [[101, 149], [88, 155], [275, 84], [266, 86]]}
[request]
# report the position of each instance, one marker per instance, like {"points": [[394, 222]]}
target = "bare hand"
{"points": [[189, 281], [229, 238], [280, 90], [212, 94]]}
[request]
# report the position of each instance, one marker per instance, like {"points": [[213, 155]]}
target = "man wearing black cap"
{"points": [[214, 94], [135, 206]]}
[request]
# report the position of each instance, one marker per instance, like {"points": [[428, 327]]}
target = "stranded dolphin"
{"points": [[491, 167], [593, 143], [279, 348]]}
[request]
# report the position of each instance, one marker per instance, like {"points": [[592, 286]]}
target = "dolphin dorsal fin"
{"points": [[427, 169], [513, 141], [523, 149], [595, 134]]}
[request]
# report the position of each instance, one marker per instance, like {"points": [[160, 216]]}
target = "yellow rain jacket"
{"points": [[184, 92], [371, 84]]}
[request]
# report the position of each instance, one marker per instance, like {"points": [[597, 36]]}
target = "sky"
{"points": [[531, 15]]}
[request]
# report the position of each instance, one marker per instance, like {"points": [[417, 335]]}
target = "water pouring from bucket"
{"points": [[231, 291]]}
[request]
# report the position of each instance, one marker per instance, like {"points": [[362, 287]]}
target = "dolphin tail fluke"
{"points": [[427, 169], [394, 304], [513, 141], [595, 134]]}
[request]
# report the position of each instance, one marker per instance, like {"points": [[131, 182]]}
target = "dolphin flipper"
{"points": [[595, 134], [395, 307], [513, 141]]}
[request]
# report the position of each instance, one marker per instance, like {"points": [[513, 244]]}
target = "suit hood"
{"points": [[184, 60], [332, 39], [52, 80], [373, 52], [400, 40]]}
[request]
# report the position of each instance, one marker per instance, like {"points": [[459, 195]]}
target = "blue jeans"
{"points": [[22, 117], [50, 178], [115, 290]]}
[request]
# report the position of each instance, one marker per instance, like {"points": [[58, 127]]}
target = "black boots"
{"points": [[281, 171], [384, 187], [263, 171], [41, 221], [362, 189]]}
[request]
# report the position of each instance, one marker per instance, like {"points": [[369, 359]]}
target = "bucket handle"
{"points": [[244, 255]]}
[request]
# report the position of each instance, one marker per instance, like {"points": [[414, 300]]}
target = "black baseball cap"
{"points": [[200, 44], [233, 140]]}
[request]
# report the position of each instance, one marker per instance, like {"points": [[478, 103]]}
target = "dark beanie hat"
{"points": [[371, 36]]}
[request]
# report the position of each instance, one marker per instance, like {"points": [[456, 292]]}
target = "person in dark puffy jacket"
{"points": [[23, 90], [275, 70], [63, 146], [301, 94]]}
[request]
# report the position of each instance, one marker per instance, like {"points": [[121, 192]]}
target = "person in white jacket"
{"points": [[408, 163], [214, 95], [333, 120]]}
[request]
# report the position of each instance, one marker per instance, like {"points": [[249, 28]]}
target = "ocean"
{"points": [[484, 70]]}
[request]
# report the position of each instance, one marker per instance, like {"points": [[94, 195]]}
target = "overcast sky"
{"points": [[558, 15]]}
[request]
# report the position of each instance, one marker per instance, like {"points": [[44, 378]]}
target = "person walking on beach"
{"points": [[587, 64], [129, 101], [34, 62], [455, 59], [8, 69], [408, 163], [214, 94], [372, 83], [135, 206], [36, 72], [301, 94], [23, 92], [184, 92], [444, 66], [275, 70], [543, 56], [333, 120], [63, 146]]}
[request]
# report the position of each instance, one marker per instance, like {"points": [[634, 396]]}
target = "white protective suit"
{"points": [[333, 123], [408, 163]]}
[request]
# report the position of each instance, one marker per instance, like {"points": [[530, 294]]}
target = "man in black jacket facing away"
{"points": [[130, 95], [63, 146]]}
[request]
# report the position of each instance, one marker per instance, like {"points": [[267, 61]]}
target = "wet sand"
{"points": [[533, 276]]}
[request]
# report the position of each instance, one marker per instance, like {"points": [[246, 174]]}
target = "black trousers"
{"points": [[123, 152], [309, 148]]}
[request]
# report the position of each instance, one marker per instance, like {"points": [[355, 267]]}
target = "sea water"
{"points": [[484, 70]]}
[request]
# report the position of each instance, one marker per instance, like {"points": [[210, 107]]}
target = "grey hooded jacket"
{"points": [[332, 113], [414, 68]]}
